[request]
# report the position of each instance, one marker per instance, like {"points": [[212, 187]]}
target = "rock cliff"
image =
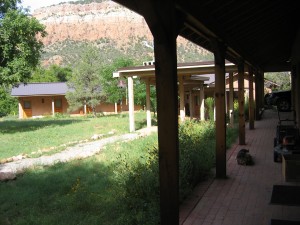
{"points": [[91, 22], [108, 25]]}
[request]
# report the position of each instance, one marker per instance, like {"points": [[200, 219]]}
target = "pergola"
{"points": [[190, 76], [263, 35]]}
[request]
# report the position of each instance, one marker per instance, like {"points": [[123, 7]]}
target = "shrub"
{"points": [[139, 182], [197, 153], [139, 189], [246, 109], [210, 103], [61, 115]]}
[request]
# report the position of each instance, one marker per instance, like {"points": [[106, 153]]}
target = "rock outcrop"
{"points": [[108, 25], [91, 22]]}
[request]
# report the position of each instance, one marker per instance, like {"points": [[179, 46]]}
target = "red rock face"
{"points": [[91, 22]]}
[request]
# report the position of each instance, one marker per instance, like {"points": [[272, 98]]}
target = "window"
{"points": [[197, 100], [57, 103], [27, 105]]}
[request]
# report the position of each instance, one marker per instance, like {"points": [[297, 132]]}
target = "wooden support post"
{"points": [[293, 86], [231, 105], [262, 83], [191, 103], [181, 96], [297, 93], [131, 104], [257, 115], [163, 22], [202, 108], [259, 90], [164, 25], [251, 102], [148, 103], [167, 115], [219, 54], [21, 112], [116, 108], [84, 109], [242, 134], [53, 107]]}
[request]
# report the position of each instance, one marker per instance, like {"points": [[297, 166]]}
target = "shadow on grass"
{"points": [[80, 192], [16, 126], [143, 123]]}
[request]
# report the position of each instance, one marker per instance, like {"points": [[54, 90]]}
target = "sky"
{"points": [[34, 4]]}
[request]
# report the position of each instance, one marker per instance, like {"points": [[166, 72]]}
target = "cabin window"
{"points": [[58, 103], [197, 100], [27, 105]]}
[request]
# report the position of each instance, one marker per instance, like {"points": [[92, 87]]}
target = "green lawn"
{"points": [[83, 192], [27, 136]]}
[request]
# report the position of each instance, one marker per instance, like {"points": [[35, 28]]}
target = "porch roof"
{"points": [[194, 72], [40, 89]]}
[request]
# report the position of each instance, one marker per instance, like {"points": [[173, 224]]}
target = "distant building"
{"points": [[44, 99]]}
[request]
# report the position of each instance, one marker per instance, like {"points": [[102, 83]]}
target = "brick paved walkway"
{"points": [[243, 198]]}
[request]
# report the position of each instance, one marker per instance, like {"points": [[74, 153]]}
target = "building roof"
{"points": [[40, 89]]}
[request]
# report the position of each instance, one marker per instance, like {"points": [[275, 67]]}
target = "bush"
{"points": [[210, 103], [197, 153], [138, 180], [139, 188], [246, 109]]}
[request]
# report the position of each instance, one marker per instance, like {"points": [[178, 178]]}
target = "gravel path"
{"points": [[9, 170]]}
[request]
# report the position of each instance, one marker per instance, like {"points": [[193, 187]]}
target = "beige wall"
{"points": [[235, 82], [42, 106]]}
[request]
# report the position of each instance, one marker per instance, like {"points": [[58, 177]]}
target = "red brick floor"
{"points": [[243, 198]]}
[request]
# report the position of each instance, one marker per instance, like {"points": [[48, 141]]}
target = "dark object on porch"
{"points": [[291, 168], [285, 195], [287, 140], [244, 158], [284, 222]]}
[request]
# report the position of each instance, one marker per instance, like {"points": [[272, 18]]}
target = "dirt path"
{"points": [[9, 170]]}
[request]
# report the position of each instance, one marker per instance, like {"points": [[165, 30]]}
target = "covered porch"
{"points": [[245, 196], [195, 81], [262, 36]]}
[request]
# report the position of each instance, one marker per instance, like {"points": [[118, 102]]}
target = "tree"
{"points": [[20, 48], [281, 78], [54, 73], [140, 95], [85, 83], [114, 89], [5, 5], [8, 104]]}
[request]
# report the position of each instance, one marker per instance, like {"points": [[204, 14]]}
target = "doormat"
{"points": [[286, 195], [284, 222]]}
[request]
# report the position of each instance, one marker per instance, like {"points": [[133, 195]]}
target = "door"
{"points": [[58, 105], [27, 110]]}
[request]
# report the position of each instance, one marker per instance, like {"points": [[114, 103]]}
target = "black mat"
{"points": [[286, 195], [284, 222]]}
